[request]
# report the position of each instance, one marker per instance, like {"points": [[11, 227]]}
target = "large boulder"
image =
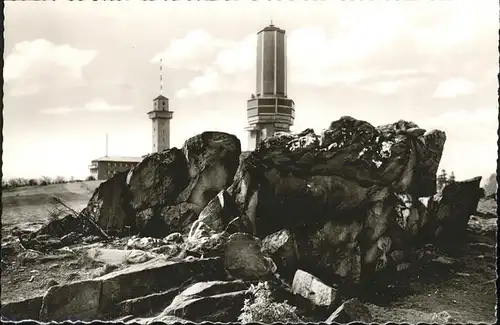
{"points": [[322, 296], [109, 205], [158, 179], [216, 301], [337, 193], [244, 259], [448, 213], [166, 191], [212, 159]]}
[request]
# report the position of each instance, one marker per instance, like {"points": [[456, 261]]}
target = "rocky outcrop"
{"points": [[109, 205], [166, 191], [215, 301], [448, 213], [338, 194]]}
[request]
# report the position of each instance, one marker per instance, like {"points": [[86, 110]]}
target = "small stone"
{"points": [[169, 250], [69, 239], [444, 260], [137, 256], [72, 276], [174, 237], [311, 288], [462, 274], [52, 283], [402, 267]]}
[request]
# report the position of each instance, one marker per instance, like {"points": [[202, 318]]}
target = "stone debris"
{"points": [[313, 289], [351, 311]]}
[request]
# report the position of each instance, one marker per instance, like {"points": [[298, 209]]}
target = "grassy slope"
{"points": [[30, 204]]}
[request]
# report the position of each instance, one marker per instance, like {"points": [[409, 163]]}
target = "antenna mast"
{"points": [[161, 76], [107, 144]]}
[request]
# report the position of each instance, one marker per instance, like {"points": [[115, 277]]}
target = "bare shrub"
{"points": [[17, 182], [33, 182], [261, 307], [59, 180], [45, 180]]}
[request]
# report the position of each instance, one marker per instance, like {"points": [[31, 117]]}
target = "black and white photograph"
{"points": [[250, 161]]}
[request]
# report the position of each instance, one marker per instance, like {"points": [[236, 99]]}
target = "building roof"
{"points": [[161, 97], [272, 28], [119, 159]]}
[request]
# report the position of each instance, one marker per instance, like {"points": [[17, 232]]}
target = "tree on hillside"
{"points": [[451, 179], [44, 180], [441, 180]]}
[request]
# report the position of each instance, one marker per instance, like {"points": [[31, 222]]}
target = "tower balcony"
{"points": [[157, 114], [270, 110]]}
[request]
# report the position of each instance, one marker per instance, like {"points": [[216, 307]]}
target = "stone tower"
{"points": [[269, 110], [161, 116]]}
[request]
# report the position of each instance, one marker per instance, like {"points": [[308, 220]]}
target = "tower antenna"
{"points": [[161, 76], [107, 143], [271, 21]]}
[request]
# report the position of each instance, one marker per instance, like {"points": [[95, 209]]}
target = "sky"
{"points": [[76, 71]]}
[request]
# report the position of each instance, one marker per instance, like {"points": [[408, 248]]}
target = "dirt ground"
{"points": [[466, 288]]}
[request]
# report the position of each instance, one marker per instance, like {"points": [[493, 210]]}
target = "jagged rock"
{"points": [[171, 218], [144, 243], [168, 250], [212, 162], [118, 256], [282, 248], [26, 309], [69, 239], [351, 311], [337, 194], [148, 305], [174, 237], [243, 258], [449, 212], [12, 247], [166, 191], [60, 227], [157, 275], [136, 256], [158, 179], [77, 300], [109, 205], [214, 301], [313, 289]]}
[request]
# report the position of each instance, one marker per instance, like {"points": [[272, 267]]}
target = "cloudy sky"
{"points": [[75, 71]]}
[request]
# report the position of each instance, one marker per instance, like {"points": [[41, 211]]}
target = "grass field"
{"points": [[30, 205]]}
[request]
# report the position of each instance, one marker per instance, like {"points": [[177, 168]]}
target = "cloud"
{"points": [[190, 52], [100, 105], [58, 110], [362, 45], [237, 57], [97, 105], [463, 118], [454, 87], [33, 65]]}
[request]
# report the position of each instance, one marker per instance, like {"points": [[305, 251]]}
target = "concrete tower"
{"points": [[161, 116], [269, 110]]}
